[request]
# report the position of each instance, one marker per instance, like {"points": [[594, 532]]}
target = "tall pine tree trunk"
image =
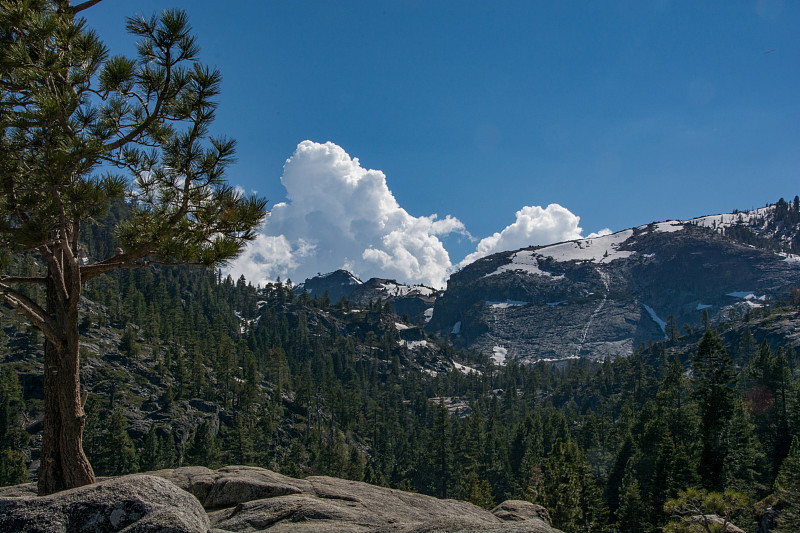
{"points": [[63, 464]]}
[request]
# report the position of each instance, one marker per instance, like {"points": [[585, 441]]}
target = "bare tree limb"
{"points": [[92, 271], [30, 309], [80, 7], [30, 280]]}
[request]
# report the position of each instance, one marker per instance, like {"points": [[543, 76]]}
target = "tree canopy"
{"points": [[82, 128]]}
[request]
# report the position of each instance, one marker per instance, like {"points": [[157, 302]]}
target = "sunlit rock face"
{"points": [[601, 297]]}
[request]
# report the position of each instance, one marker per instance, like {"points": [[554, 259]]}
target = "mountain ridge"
{"points": [[602, 296]]}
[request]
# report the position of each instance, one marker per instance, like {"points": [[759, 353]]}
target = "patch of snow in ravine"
{"points": [[700, 307], [465, 369], [428, 314], [400, 327], [791, 258], [506, 304], [456, 328], [553, 304], [499, 355], [656, 319]]}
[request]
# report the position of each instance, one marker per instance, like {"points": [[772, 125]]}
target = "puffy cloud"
{"points": [[533, 226], [599, 233], [340, 215]]}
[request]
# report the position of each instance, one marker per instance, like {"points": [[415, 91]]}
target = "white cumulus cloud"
{"points": [[534, 226], [599, 233], [340, 215]]}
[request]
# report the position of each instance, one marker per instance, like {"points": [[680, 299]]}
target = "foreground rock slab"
{"points": [[130, 504], [248, 499]]}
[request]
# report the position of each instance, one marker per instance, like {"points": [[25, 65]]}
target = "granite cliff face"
{"points": [[602, 297]]}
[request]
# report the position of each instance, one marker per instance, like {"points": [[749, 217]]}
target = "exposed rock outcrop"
{"points": [[247, 499], [130, 504]]}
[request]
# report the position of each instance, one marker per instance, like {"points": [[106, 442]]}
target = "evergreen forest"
{"points": [[187, 366]]}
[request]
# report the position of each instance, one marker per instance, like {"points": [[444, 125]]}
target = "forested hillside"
{"points": [[185, 366]]}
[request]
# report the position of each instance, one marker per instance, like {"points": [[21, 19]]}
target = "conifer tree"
{"points": [[701, 511], [714, 378], [441, 452], [569, 492], [69, 110], [630, 515], [13, 437], [12, 467], [203, 449], [118, 454], [787, 487]]}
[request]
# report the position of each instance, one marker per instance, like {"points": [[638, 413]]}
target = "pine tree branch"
{"points": [[89, 272], [30, 309], [30, 280], [80, 7]]}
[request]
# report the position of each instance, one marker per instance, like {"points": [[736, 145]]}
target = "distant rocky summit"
{"points": [[239, 498], [600, 297]]}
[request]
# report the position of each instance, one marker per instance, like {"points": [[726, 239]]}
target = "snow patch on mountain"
{"points": [[747, 295], [499, 354], [465, 369], [411, 345], [393, 288], [506, 304], [556, 359], [669, 226], [662, 324], [604, 249], [726, 220], [524, 261]]}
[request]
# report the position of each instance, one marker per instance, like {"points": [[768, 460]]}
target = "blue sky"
{"points": [[621, 112]]}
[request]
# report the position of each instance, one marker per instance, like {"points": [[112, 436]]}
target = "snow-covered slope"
{"points": [[601, 297]]}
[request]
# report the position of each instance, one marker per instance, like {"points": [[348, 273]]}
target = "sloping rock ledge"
{"points": [[248, 499]]}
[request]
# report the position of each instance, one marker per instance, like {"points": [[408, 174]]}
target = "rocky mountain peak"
{"points": [[601, 297]]}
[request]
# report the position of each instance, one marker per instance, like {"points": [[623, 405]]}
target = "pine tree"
{"points": [[630, 518], [203, 449], [118, 452], [150, 456], [441, 452], [70, 112], [693, 511], [745, 462], [569, 492], [714, 378], [13, 470], [787, 487]]}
